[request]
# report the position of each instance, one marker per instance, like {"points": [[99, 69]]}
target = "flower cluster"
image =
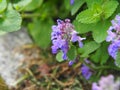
{"points": [[114, 37], [61, 36], [106, 83]]}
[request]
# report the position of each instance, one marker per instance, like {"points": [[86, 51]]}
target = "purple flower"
{"points": [[114, 37], [61, 36], [76, 38], [111, 35], [114, 30], [86, 72], [106, 83], [96, 87], [116, 23], [71, 63], [71, 2], [114, 48]]}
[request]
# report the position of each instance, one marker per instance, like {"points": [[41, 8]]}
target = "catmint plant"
{"points": [[62, 36]]}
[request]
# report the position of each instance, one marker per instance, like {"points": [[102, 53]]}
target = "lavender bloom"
{"points": [[114, 30], [71, 2], [114, 37], [114, 48], [71, 63], [62, 34], [106, 83], [111, 35], [116, 23], [86, 72], [75, 38]]}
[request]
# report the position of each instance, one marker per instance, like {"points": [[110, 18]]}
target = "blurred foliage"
{"points": [[40, 31], [91, 19]]}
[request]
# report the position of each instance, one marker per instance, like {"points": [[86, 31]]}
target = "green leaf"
{"points": [[33, 5], [117, 61], [88, 48], [100, 31], [90, 3], [109, 8], [82, 28], [67, 5], [3, 5], [20, 5], [117, 11], [88, 16], [59, 57], [72, 53], [11, 20], [101, 55], [41, 32], [75, 7]]}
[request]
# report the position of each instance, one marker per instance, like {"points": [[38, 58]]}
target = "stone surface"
{"points": [[10, 60]]}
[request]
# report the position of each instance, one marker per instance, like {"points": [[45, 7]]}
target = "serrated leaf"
{"points": [[88, 48], [88, 16], [75, 7], [20, 5], [59, 57], [101, 55], [11, 20], [100, 31], [117, 61], [109, 8], [72, 53], [3, 5], [41, 32], [82, 28], [33, 5]]}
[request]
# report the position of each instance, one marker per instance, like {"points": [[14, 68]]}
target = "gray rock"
{"points": [[10, 60]]}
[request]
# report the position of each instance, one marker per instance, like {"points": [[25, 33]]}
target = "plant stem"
{"points": [[21, 79], [107, 67], [33, 77], [101, 67], [100, 72]]}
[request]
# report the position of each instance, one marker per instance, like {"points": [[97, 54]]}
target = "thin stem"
{"points": [[100, 72], [31, 74], [21, 79], [101, 67], [107, 67]]}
